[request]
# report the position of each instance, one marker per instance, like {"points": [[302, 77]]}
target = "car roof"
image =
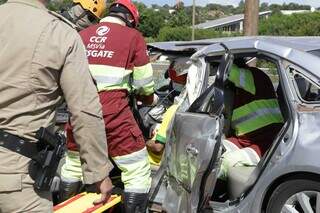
{"points": [[177, 46], [302, 51], [304, 43]]}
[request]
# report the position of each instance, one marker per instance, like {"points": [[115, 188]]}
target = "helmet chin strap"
{"points": [[128, 23], [83, 14], [78, 16], [82, 21]]}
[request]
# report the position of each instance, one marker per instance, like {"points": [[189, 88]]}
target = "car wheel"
{"points": [[295, 196]]}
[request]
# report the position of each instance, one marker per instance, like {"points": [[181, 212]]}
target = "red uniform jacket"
{"points": [[114, 45]]}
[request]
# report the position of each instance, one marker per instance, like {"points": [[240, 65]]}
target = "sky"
{"points": [[313, 3]]}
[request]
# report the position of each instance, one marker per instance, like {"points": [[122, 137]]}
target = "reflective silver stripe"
{"points": [[137, 190], [132, 158], [242, 78], [142, 82], [136, 171], [110, 80], [256, 114]]}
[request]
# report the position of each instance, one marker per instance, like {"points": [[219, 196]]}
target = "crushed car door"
{"points": [[194, 150]]}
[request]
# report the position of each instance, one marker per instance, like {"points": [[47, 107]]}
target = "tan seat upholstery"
{"points": [[237, 180]]}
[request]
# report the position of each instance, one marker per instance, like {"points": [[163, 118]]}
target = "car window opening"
{"points": [[268, 100], [308, 91], [171, 74]]}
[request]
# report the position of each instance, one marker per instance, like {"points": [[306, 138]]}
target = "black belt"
{"points": [[18, 144]]}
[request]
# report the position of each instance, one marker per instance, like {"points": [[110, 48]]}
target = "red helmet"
{"points": [[175, 77], [131, 7]]}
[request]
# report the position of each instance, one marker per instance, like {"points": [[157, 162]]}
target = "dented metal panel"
{"points": [[192, 141]]}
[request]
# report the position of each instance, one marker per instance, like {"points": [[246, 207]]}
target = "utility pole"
{"points": [[193, 19], [251, 17], [178, 2]]}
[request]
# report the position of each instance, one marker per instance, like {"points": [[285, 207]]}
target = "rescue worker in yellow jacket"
{"points": [[40, 65], [256, 118], [156, 145]]}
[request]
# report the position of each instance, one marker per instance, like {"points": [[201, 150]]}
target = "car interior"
{"points": [[241, 179]]}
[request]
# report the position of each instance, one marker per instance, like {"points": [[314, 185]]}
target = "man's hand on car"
{"points": [[105, 188]]}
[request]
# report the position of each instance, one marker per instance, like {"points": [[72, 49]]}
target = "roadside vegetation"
{"points": [[173, 23], [306, 24]]}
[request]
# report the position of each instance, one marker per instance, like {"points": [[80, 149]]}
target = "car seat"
{"points": [[238, 180], [228, 108], [242, 178]]}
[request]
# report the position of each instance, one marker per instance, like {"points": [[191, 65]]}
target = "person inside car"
{"points": [[255, 118], [156, 145]]}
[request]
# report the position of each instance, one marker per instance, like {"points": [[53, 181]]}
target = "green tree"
{"points": [[59, 5], [141, 6], [184, 34], [155, 6], [151, 22], [264, 6], [3, 1], [179, 18], [174, 34], [294, 6], [306, 24], [164, 12], [240, 8], [275, 8], [226, 9], [166, 6]]}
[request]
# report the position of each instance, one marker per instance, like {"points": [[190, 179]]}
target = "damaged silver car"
{"points": [[287, 178]]}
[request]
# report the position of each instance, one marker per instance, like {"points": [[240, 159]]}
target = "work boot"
{"points": [[68, 190], [135, 202]]}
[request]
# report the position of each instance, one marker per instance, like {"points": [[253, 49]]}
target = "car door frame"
{"points": [[214, 162], [207, 107]]}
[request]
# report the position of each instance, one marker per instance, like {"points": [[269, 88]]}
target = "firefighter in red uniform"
{"points": [[119, 64]]}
